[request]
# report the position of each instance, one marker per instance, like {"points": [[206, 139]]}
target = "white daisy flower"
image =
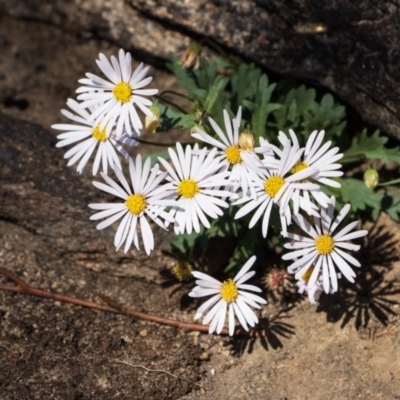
{"points": [[236, 151], [324, 161], [231, 294], [322, 249], [90, 136], [118, 96], [146, 200], [194, 184], [273, 187]]}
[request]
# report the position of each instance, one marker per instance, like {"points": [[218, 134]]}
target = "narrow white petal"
{"points": [[231, 320], [353, 235], [110, 220], [205, 306], [240, 316], [249, 263], [333, 275], [347, 257], [343, 212], [221, 317], [107, 212], [344, 268], [123, 230]]}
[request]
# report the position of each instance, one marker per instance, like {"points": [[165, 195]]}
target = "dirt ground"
{"points": [[347, 347]]}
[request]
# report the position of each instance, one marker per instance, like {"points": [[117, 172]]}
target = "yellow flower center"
{"points": [[229, 291], [122, 92], [307, 275], [98, 134], [188, 188], [273, 185], [136, 204], [324, 244], [233, 154], [299, 167]]}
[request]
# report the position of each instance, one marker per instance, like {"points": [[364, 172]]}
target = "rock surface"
{"points": [[346, 348], [47, 240], [349, 47]]}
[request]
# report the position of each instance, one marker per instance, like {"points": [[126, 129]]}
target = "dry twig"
{"points": [[112, 306], [156, 370]]}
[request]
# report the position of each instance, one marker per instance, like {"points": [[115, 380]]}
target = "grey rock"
{"points": [[349, 47]]}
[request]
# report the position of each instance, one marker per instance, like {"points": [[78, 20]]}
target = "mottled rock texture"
{"points": [[350, 47]]}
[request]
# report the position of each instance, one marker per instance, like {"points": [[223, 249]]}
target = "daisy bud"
{"points": [[182, 270], [191, 57], [371, 177], [152, 122], [196, 128], [246, 140], [277, 279]]}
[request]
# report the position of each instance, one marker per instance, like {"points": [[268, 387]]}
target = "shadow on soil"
{"points": [[370, 295], [273, 330]]}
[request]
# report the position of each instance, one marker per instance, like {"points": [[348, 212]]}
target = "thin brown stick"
{"points": [[22, 287]]}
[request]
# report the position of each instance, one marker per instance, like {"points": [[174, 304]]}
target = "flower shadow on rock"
{"points": [[272, 330], [372, 294]]}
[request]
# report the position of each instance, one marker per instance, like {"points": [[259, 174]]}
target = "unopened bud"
{"points": [[246, 141], [277, 279], [191, 57], [152, 122], [182, 270], [371, 177], [196, 128]]}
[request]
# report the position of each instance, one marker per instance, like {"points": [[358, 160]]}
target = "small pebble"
{"points": [[204, 356]]}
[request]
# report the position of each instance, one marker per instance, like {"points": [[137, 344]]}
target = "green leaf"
{"points": [[183, 243], [223, 63], [162, 154], [280, 117], [188, 121], [373, 147], [324, 115], [242, 84], [303, 97], [391, 204], [215, 92], [169, 118], [293, 112], [205, 75], [226, 224], [261, 111], [184, 76], [355, 192], [302, 113], [200, 96]]}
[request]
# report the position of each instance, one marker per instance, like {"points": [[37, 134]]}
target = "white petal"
{"points": [[249, 263]]}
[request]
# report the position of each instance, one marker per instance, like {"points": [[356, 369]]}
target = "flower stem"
{"points": [[389, 182], [353, 158], [170, 103]]}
